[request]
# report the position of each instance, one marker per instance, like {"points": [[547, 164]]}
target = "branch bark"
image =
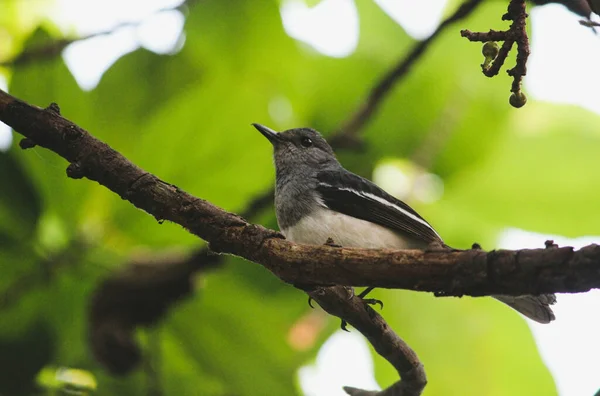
{"points": [[94, 159], [450, 272], [443, 271], [336, 301]]}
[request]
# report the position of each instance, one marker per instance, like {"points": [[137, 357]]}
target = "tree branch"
{"points": [[114, 316], [52, 49], [114, 327], [342, 302], [348, 134], [452, 272], [443, 271], [123, 301], [139, 294]]}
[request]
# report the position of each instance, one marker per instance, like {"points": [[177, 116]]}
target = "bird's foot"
{"points": [[368, 302], [373, 301], [344, 325], [330, 242]]}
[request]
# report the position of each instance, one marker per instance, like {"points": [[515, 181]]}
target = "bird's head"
{"points": [[299, 147]]}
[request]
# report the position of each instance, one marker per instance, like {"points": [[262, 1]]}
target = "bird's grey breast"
{"points": [[295, 198], [304, 218]]}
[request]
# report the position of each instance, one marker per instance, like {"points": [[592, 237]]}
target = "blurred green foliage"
{"points": [[185, 117]]}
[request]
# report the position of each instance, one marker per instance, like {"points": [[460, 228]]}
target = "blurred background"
{"points": [[174, 87]]}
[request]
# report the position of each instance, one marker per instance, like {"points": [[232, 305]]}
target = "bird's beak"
{"points": [[270, 134]]}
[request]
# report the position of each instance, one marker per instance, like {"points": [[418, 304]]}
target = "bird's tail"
{"points": [[534, 307]]}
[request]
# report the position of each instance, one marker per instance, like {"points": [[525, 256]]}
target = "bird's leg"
{"points": [[366, 301], [369, 301], [364, 293], [344, 325]]}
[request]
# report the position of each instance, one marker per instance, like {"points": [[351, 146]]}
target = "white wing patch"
{"points": [[386, 203]]}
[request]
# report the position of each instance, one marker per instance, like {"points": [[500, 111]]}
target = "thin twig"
{"points": [[52, 49], [336, 301], [516, 33], [348, 133]]}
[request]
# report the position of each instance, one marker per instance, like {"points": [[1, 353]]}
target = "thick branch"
{"points": [[445, 272], [112, 338], [114, 318], [341, 302], [454, 273], [139, 294]]}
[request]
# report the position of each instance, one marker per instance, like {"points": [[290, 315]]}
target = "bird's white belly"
{"points": [[345, 230]]}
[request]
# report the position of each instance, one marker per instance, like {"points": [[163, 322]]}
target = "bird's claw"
{"points": [[310, 302], [368, 302], [350, 291], [343, 326], [373, 301]]}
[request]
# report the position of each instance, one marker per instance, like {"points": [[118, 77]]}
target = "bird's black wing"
{"points": [[350, 194]]}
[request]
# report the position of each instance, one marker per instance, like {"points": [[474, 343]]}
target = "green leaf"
{"points": [[540, 176], [444, 102], [239, 335], [20, 205], [452, 337], [23, 355]]}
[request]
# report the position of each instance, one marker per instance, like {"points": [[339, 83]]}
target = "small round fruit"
{"points": [[517, 99], [490, 50]]}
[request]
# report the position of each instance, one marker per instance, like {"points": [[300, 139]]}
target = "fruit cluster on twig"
{"points": [[495, 55]]}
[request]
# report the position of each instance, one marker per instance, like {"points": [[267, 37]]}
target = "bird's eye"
{"points": [[306, 142]]}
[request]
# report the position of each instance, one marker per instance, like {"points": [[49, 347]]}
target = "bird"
{"points": [[317, 199]]}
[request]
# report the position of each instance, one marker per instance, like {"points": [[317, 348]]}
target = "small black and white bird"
{"points": [[316, 199]]}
